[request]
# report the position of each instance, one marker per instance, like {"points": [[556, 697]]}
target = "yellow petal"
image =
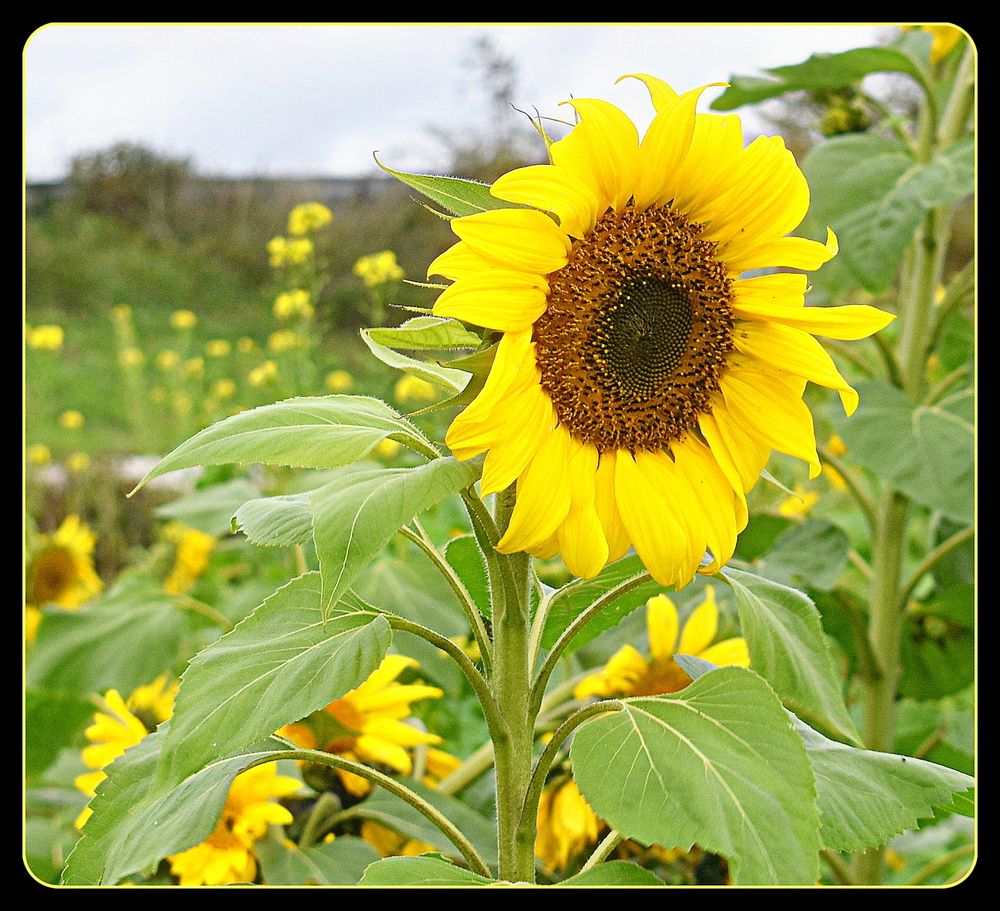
{"points": [[715, 147], [602, 151], [533, 417], [458, 261], [618, 677], [701, 626], [796, 352], [398, 732], [383, 752], [519, 239], [662, 624], [660, 93], [729, 652], [499, 299], [551, 189], [708, 425], [394, 696], [606, 504], [748, 452], [543, 495], [852, 321], [784, 289], [793, 252], [581, 536], [390, 668]]}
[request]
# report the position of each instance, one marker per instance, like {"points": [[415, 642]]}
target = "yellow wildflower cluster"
{"points": [[308, 216], [131, 357], [339, 381], [223, 389], [121, 314], [39, 454], [77, 462], [167, 359], [194, 548], [414, 389], [284, 340], [378, 268], [71, 420], [263, 374], [183, 319], [799, 504], [45, 338], [218, 347], [290, 304], [246, 345], [294, 252]]}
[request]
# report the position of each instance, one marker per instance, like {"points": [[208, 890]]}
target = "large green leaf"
{"points": [[718, 764], [811, 554], [925, 451], [95, 647], [820, 71], [455, 194], [341, 862], [423, 333], [274, 521], [51, 721], [943, 732], [357, 514], [397, 814], [278, 665], [866, 797], [211, 509], [307, 432], [936, 662], [573, 599], [135, 824], [446, 377], [614, 873], [788, 648], [420, 871]]}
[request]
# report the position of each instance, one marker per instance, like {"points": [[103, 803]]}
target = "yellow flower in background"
{"points": [[61, 566], [32, 617], [378, 268], [628, 673], [640, 385], [308, 216], [438, 765], [77, 462], [387, 448], [276, 251], [800, 504], [389, 843], [121, 725], [224, 389], [298, 251], [121, 314], [837, 446], [181, 403], [371, 717], [246, 345], [566, 825], [131, 357], [194, 368], [410, 388], [45, 338], [71, 420], [194, 548], [339, 381], [290, 304], [218, 347], [226, 856], [183, 319], [167, 359], [945, 38], [284, 340], [263, 374], [158, 395], [39, 454]]}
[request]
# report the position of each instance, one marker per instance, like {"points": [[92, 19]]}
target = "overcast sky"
{"points": [[318, 99]]}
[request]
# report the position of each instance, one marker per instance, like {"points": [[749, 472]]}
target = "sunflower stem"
{"points": [[601, 853]]}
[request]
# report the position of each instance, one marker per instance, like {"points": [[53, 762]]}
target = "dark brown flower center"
{"points": [[637, 330]]}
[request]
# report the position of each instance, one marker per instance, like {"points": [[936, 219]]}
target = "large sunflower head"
{"points": [[641, 384]]}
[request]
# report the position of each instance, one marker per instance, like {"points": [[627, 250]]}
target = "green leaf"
{"points": [[936, 663], [307, 432], [274, 521], [395, 813], [811, 554], [456, 194], [211, 509], [423, 333], [419, 871], [789, 649], [465, 557], [446, 377], [957, 343], [52, 721], [355, 516], [341, 862], [820, 71], [276, 666], [718, 764], [573, 599], [865, 797], [94, 648], [927, 452], [614, 873], [134, 824]]}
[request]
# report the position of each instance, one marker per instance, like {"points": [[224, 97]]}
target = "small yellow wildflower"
{"points": [[194, 548], [71, 420], [131, 357], [263, 374], [246, 345], [339, 381], [181, 403], [894, 860], [289, 304], [276, 251], [414, 389], [438, 765], [45, 338], [224, 389], [308, 216], [218, 347], [39, 454], [378, 268], [284, 340], [226, 856], [799, 505], [387, 448], [837, 446], [628, 673], [183, 319], [121, 314], [77, 462], [61, 566], [299, 250], [567, 826], [167, 359], [390, 843], [194, 368]]}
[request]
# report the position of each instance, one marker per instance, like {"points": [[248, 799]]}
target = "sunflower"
{"points": [[628, 673], [194, 548], [640, 384], [567, 825], [61, 568]]}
